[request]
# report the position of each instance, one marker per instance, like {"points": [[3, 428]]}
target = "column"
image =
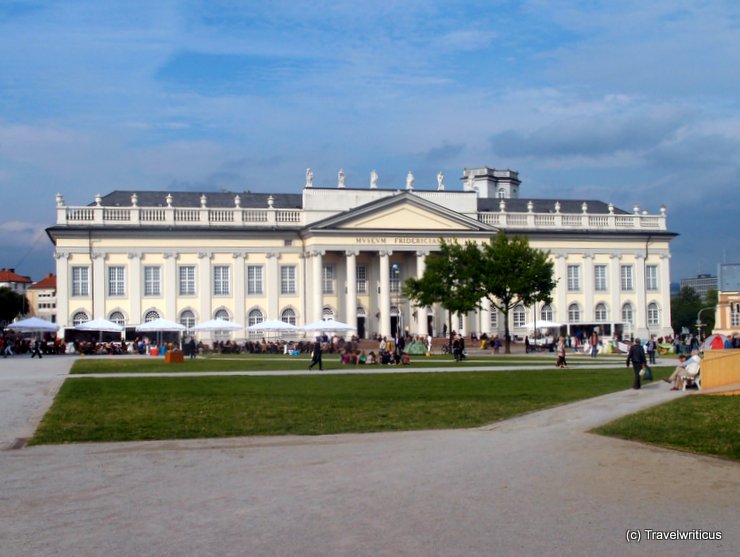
{"points": [[273, 285], [317, 284], [641, 309], [98, 293], [384, 305], [588, 288], [135, 287], [615, 285], [205, 285], [561, 290], [239, 288], [485, 317], [665, 295], [421, 311], [350, 315], [62, 258], [170, 277]]}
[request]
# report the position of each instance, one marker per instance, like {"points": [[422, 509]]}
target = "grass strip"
{"points": [[141, 408], [239, 362], [700, 424]]}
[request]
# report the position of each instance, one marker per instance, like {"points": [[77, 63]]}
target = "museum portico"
{"points": [[345, 252]]}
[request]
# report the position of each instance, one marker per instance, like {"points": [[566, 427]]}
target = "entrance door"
{"points": [[360, 327]]}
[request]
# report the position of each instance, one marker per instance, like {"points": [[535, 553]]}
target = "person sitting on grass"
{"points": [[372, 359], [688, 368]]}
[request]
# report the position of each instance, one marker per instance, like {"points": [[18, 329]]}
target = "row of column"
{"points": [[351, 297]]}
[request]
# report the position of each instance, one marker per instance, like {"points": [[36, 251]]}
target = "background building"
{"points": [[701, 284], [42, 298], [17, 283], [345, 251], [727, 319]]}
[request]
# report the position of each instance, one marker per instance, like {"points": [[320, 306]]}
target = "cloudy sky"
{"points": [[629, 102]]}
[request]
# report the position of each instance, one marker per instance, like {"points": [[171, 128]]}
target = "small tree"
{"points": [[11, 304], [449, 279], [510, 272]]}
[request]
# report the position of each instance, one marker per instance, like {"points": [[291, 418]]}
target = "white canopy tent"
{"points": [[34, 325], [217, 325], [328, 326]]}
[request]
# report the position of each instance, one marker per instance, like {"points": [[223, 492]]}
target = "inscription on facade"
{"points": [[399, 240]]}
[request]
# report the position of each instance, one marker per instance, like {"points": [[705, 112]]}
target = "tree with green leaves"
{"points": [[510, 272], [685, 308], [449, 280], [11, 304]]}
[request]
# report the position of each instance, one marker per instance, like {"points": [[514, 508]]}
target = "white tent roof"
{"points": [[100, 325], [34, 324], [160, 325]]}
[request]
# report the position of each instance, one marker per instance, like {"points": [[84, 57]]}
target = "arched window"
{"points": [[187, 319], [520, 316], [574, 313], [394, 311], [151, 315], [117, 318], [223, 315], [653, 312], [288, 316], [628, 314], [546, 313], [600, 312], [361, 312], [79, 318], [501, 193], [327, 313], [255, 317]]}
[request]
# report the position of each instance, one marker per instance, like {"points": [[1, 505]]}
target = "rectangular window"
{"points": [[361, 279], [574, 277], [221, 282], [651, 277], [600, 277], [395, 278], [328, 279], [187, 280], [254, 279], [494, 319], [80, 281], [735, 315], [116, 281], [287, 279], [625, 272], [151, 281]]}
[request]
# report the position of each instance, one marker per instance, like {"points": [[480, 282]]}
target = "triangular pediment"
{"points": [[403, 211]]}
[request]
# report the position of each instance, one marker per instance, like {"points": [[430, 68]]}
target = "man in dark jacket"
{"points": [[316, 355], [636, 356]]}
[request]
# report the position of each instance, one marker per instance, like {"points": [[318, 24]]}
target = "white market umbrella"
{"points": [[543, 324], [217, 325], [102, 325], [328, 326], [34, 325], [160, 324], [273, 326]]}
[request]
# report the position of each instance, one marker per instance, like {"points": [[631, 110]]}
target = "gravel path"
{"points": [[537, 484]]}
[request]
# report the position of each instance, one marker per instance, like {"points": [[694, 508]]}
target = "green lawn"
{"points": [[699, 424], [122, 409]]}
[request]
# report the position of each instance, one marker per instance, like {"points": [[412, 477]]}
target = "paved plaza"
{"points": [[537, 484]]}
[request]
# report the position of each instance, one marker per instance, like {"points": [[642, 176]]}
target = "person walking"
{"points": [[316, 355], [636, 356], [594, 342], [561, 363], [651, 348], [36, 348]]}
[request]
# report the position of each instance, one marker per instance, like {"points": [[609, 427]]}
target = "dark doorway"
{"points": [[394, 325], [360, 327]]}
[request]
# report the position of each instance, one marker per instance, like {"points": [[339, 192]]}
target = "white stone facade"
{"points": [[346, 251]]}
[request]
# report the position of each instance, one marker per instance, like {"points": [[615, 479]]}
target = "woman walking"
{"points": [[561, 363]]}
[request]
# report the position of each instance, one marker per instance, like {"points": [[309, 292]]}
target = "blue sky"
{"points": [[629, 102]]}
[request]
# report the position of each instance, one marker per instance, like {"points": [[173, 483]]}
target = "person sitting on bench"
{"points": [[687, 369]]}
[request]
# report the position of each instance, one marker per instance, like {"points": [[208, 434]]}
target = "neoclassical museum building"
{"points": [[340, 251]]}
